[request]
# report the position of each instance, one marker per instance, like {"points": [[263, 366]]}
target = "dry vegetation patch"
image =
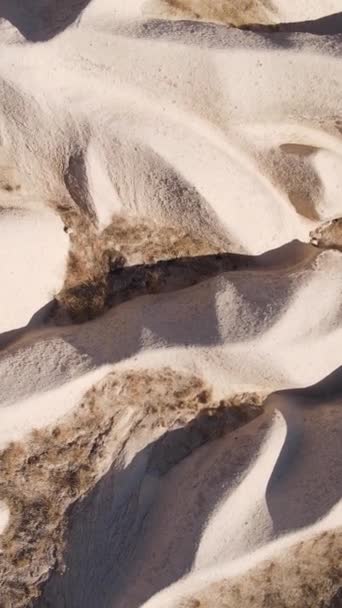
{"points": [[43, 476], [308, 575], [328, 236], [94, 256], [222, 11]]}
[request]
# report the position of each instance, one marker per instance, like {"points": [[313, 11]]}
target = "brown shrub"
{"points": [[222, 11], [307, 575], [328, 236], [93, 256], [42, 477]]}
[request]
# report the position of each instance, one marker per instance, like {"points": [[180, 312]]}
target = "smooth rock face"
{"points": [[170, 311]]}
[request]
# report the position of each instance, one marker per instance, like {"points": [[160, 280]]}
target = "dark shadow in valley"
{"points": [[128, 282], [138, 530], [189, 319], [38, 320], [309, 468], [216, 35], [120, 336], [40, 20], [111, 557], [324, 26], [179, 273]]}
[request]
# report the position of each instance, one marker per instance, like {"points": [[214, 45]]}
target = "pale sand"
{"points": [[235, 137], [4, 517], [31, 269]]}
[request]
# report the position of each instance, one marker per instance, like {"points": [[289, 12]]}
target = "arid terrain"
{"points": [[171, 304]]}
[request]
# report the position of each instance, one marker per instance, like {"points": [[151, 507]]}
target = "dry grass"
{"points": [[232, 12], [308, 575], [145, 242], [42, 477], [328, 236], [93, 256]]}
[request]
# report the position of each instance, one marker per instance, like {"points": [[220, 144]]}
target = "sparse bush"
{"points": [[329, 235], [94, 256], [307, 575], [42, 477], [222, 11]]}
